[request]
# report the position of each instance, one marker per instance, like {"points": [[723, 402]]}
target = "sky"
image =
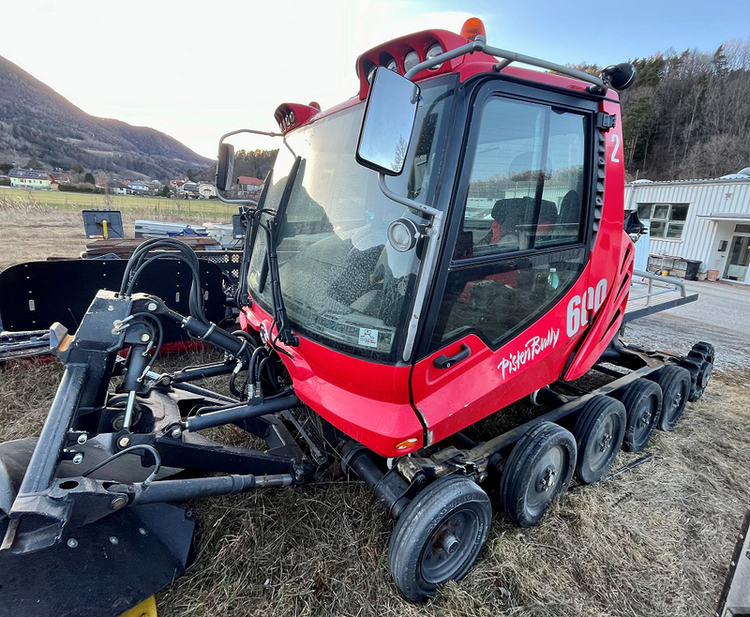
{"points": [[196, 70]]}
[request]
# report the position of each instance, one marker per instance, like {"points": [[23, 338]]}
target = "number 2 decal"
{"points": [[616, 140]]}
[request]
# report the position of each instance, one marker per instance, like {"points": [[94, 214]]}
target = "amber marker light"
{"points": [[407, 443], [472, 28]]}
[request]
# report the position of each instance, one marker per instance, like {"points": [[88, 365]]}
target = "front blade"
{"points": [[102, 569]]}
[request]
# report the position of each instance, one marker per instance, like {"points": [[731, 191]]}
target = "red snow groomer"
{"points": [[443, 244]]}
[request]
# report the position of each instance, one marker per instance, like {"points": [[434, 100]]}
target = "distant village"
{"points": [[177, 188]]}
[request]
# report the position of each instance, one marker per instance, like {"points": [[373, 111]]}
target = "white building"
{"points": [[206, 190], [136, 187], [701, 220]]}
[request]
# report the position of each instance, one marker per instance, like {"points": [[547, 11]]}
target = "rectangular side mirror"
{"points": [[388, 123], [225, 167]]}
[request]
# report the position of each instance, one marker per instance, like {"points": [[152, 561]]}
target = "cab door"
{"points": [[517, 254]]}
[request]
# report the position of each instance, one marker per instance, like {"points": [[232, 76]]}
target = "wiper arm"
{"points": [[279, 310], [279, 215], [285, 334]]}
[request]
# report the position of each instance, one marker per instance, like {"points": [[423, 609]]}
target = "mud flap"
{"points": [[102, 569]]}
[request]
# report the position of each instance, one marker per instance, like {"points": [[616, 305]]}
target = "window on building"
{"points": [[742, 229], [666, 220]]}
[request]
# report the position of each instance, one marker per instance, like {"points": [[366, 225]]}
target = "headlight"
{"points": [[403, 234], [434, 50], [411, 60]]}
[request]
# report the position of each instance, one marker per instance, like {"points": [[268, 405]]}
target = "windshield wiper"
{"points": [[278, 216], [271, 267]]}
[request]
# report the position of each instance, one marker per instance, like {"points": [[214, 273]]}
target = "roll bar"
{"points": [[479, 44]]}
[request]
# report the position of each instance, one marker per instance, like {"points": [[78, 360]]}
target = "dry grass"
{"points": [[30, 230], [654, 541]]}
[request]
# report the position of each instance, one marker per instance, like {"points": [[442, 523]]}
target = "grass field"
{"points": [[652, 542], [211, 209]]}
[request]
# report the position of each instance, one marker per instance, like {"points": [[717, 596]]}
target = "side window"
{"points": [[519, 248], [526, 182]]}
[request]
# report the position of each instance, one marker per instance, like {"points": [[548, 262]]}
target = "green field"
{"points": [[141, 206]]}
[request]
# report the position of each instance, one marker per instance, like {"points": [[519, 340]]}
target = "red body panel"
{"points": [[367, 401], [452, 399], [613, 254], [419, 42]]}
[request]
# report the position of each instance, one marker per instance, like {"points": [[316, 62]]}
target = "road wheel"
{"points": [[642, 400], [700, 364], [675, 384], [539, 468], [599, 431], [438, 537]]}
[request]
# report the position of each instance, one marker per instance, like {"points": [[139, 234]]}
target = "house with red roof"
{"points": [[247, 186]]}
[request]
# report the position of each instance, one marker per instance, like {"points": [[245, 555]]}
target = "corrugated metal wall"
{"points": [[705, 197]]}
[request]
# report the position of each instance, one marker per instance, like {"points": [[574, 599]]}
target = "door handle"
{"points": [[444, 361]]}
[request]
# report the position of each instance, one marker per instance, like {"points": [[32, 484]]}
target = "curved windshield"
{"points": [[343, 284]]}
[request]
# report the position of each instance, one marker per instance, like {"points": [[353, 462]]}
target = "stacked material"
{"points": [[124, 247], [158, 229], [223, 233]]}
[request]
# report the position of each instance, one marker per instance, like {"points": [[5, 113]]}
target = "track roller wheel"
{"points": [[438, 537], [676, 384], [700, 364], [705, 350], [599, 431], [642, 400], [540, 467]]}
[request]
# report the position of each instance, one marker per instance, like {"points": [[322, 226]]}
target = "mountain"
{"points": [[37, 122]]}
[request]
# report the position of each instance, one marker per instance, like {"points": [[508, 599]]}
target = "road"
{"points": [[721, 316]]}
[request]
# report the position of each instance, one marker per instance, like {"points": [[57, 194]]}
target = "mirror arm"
{"points": [[235, 201], [254, 132], [405, 201]]}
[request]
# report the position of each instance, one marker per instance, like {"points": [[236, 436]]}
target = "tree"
{"points": [[164, 191], [32, 163], [89, 177], [77, 168], [720, 62]]}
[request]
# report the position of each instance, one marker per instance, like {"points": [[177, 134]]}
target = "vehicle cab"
{"points": [[471, 268]]}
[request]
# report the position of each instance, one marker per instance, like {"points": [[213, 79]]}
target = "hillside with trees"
{"points": [[688, 114], [37, 123]]}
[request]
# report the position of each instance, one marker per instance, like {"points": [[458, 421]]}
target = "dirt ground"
{"points": [[654, 541]]}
